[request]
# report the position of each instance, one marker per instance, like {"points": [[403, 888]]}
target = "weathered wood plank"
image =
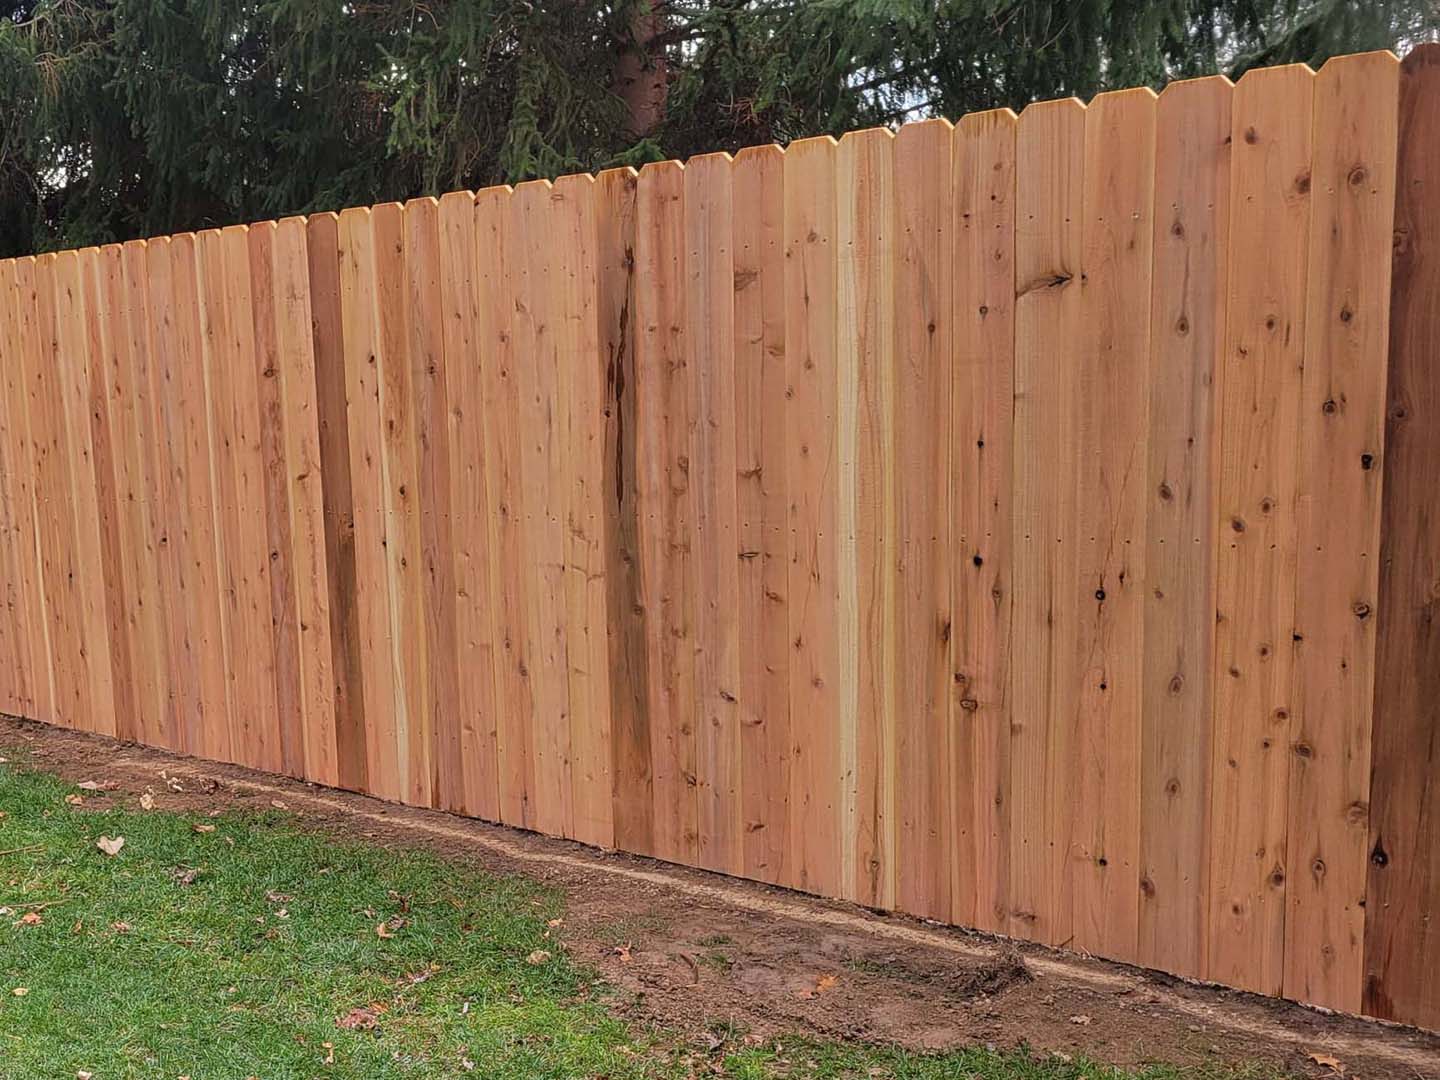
{"points": [[1402, 895]]}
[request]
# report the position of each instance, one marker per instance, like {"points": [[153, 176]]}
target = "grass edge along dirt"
{"points": [[242, 945]]}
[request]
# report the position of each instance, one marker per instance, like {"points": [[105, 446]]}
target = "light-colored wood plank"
{"points": [[814, 608], [762, 508], [208, 727], [284, 613], [574, 297], [430, 366], [322, 249], [662, 438], [632, 793], [867, 302], [983, 400], [35, 696], [709, 286], [95, 709], [544, 423], [1259, 421], [144, 527], [15, 660], [359, 300], [1049, 186], [922, 557], [1402, 897], [1113, 405], [1187, 329], [497, 249], [400, 468], [1342, 425], [475, 647]]}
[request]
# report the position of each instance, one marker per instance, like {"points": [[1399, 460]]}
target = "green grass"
{"points": [[232, 953]]}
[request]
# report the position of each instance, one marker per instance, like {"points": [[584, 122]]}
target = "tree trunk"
{"points": [[641, 72]]}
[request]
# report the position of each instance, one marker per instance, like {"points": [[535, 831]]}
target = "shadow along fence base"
{"points": [[1028, 523]]}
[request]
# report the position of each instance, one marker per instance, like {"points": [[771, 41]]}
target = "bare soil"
{"points": [[700, 953]]}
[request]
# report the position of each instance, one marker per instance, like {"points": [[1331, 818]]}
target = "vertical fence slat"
{"points": [[29, 696], [1259, 419], [983, 400], [922, 550], [709, 285], [575, 298], [632, 796], [1341, 430], [1113, 409], [763, 508], [1187, 308], [474, 654], [812, 453], [431, 364], [497, 246], [1402, 896], [866, 224], [662, 429], [1049, 187], [361, 348], [322, 249]]}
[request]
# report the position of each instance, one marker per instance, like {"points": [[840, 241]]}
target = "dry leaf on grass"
{"points": [[31, 918], [147, 801], [91, 785], [110, 846], [329, 1053], [120, 926], [538, 957], [200, 827], [358, 1018], [383, 931], [1325, 1061], [20, 991], [75, 800]]}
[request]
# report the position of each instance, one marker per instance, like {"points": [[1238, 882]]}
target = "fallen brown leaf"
{"points": [[91, 785], [109, 846], [147, 801], [623, 951], [383, 931], [31, 918], [538, 957], [278, 897], [822, 984], [201, 827], [120, 926], [1325, 1061], [329, 1053], [20, 991], [1081, 1019], [75, 800]]}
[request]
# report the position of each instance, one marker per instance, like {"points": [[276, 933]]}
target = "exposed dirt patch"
{"points": [[697, 951]]}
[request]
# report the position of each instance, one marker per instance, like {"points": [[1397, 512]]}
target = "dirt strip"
{"points": [[720, 959]]}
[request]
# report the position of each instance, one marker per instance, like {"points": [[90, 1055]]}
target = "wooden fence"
{"points": [[1003, 523]]}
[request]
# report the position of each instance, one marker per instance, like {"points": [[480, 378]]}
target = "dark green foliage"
{"points": [[122, 118]]}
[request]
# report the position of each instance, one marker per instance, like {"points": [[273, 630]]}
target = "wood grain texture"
{"points": [[496, 241], [1255, 592], [1113, 407], [1342, 423], [923, 547], [710, 366], [981, 460], [813, 380], [1049, 187], [865, 338], [1402, 894], [322, 250], [573, 220], [1187, 329], [762, 499], [475, 649], [632, 794]]}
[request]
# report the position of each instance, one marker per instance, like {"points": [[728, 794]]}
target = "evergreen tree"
{"points": [[124, 118]]}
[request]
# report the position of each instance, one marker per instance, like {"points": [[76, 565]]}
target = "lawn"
{"points": [[241, 945]]}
